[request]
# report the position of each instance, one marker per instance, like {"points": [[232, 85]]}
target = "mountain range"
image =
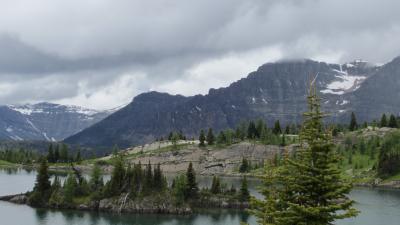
{"points": [[45, 121], [275, 91]]}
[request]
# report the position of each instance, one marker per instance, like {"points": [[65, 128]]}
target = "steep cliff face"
{"points": [[45, 121], [276, 91]]}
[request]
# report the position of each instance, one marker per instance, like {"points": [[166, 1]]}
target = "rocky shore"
{"points": [[148, 205]]}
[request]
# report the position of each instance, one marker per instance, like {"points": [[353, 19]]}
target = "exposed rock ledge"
{"points": [[17, 199], [148, 205]]}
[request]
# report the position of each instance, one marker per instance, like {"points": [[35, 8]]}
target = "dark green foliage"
{"points": [[64, 154], [389, 156], [19, 156], [148, 180], [353, 122], [362, 148], [42, 190], [50, 154], [179, 189], [137, 180], [57, 153], [392, 121], [244, 191], [216, 185], [96, 182], [174, 139], [56, 197], [252, 132], [307, 188], [125, 181], [117, 181], [260, 127], [283, 140], [287, 129], [70, 189], [202, 139], [383, 122], [191, 184], [277, 128], [170, 136], [78, 157], [159, 183], [210, 137], [221, 139], [244, 166]]}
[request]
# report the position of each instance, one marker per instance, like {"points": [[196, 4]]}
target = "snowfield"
{"points": [[344, 83]]}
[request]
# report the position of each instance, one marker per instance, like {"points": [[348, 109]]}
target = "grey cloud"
{"points": [[97, 42]]}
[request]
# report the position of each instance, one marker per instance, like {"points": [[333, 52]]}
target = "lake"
{"points": [[377, 207]]}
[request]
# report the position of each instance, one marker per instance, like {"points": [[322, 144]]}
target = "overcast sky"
{"points": [[101, 53]]}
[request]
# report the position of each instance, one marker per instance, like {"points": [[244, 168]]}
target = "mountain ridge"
{"points": [[45, 121], [275, 91]]}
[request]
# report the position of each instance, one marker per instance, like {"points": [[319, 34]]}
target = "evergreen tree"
{"points": [[353, 122], [56, 185], [383, 122], [117, 181], [251, 130], [64, 155], [137, 179], [392, 121], [287, 129], [170, 136], [244, 166], [210, 137], [277, 128], [216, 185], [70, 188], [179, 189], [241, 131], [174, 139], [57, 153], [283, 140], [42, 189], [221, 139], [78, 157], [191, 184], [158, 178], [361, 146], [202, 138], [308, 188], [244, 191], [50, 154], [260, 127], [96, 182], [148, 182]]}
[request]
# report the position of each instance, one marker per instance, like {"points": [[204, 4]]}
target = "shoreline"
{"points": [[145, 205]]}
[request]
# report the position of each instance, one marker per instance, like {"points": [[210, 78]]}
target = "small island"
{"points": [[131, 189]]}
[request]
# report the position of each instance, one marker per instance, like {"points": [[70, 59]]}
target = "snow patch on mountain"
{"points": [[343, 83], [80, 110]]}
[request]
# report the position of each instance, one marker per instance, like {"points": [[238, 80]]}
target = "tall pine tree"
{"points": [[191, 184], [353, 122], [392, 121], [307, 188], [210, 137], [383, 122], [42, 189], [202, 138], [277, 128]]}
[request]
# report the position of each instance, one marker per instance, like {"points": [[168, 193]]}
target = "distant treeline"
{"points": [[252, 130]]}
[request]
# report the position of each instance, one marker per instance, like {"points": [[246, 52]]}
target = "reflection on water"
{"points": [[377, 207]]}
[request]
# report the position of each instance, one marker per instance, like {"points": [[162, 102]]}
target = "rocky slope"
{"points": [[275, 91], [45, 121], [223, 160]]}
